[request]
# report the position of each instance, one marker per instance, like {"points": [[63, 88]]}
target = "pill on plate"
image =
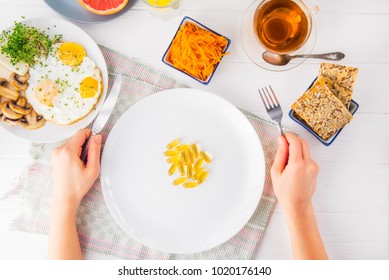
{"points": [[172, 169], [202, 177], [173, 159], [206, 157], [195, 151], [171, 153], [181, 168], [189, 171], [198, 164], [172, 144], [185, 157], [179, 181], [190, 155], [190, 185], [198, 173], [183, 147]]}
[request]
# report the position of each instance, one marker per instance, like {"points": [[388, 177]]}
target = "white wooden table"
{"points": [[351, 200]]}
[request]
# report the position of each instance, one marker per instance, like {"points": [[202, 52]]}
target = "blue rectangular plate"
{"points": [[164, 58]]}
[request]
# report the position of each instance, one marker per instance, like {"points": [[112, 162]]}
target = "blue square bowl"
{"points": [[352, 109], [166, 61]]}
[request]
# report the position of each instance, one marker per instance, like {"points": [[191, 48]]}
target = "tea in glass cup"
{"points": [[282, 26]]}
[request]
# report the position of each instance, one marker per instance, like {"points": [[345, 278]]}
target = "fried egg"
{"points": [[66, 85]]}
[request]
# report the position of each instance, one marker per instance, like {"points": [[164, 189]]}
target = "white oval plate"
{"points": [[51, 132], [139, 193]]}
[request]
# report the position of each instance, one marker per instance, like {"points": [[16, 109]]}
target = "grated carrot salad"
{"points": [[196, 51]]}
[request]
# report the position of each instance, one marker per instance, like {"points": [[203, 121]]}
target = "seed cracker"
{"points": [[321, 110], [343, 75], [342, 93]]}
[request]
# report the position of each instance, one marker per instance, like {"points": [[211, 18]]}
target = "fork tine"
{"points": [[275, 97], [269, 95], [263, 100], [272, 105]]}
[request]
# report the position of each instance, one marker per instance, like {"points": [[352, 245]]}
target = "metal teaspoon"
{"points": [[283, 59]]}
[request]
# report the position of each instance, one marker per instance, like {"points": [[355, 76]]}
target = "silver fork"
{"points": [[272, 106]]}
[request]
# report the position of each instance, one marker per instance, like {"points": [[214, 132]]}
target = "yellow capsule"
{"points": [[190, 155], [195, 151], [190, 185], [179, 181], [172, 169], [183, 147], [198, 163], [198, 173], [189, 171], [205, 157], [171, 153], [185, 157], [173, 159], [181, 168], [202, 177], [172, 144]]}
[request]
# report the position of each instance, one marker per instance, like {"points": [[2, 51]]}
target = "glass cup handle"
{"points": [[176, 5], [314, 9]]}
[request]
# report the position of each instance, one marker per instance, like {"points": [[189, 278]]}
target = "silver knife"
{"points": [[103, 115]]}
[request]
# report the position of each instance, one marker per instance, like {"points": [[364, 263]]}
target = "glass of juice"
{"points": [[164, 8]]}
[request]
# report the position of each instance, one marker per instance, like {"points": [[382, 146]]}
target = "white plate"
{"points": [[140, 194], [51, 132]]}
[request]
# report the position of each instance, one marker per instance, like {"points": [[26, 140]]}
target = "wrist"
{"points": [[298, 212], [63, 206]]}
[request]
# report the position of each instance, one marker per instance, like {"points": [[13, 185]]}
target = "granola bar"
{"points": [[321, 110], [343, 75]]}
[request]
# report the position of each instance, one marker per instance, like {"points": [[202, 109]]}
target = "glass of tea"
{"points": [[282, 26]]}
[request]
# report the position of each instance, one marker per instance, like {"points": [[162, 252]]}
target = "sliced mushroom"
{"points": [[19, 82], [22, 102], [3, 82], [9, 121], [9, 93], [21, 106], [9, 113], [3, 99], [32, 121]]}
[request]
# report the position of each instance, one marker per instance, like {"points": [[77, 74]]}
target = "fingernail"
{"points": [[98, 139]]}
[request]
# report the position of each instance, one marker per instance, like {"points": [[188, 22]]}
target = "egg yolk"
{"points": [[45, 92], [89, 87], [71, 53]]}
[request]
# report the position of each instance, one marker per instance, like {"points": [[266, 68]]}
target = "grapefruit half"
{"points": [[103, 7]]}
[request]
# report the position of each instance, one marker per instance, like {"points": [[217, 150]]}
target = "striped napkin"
{"points": [[98, 231]]}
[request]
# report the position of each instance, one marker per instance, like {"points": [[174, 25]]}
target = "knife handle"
{"points": [[84, 149]]}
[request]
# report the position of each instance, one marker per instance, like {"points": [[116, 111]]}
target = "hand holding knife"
{"points": [[103, 115]]}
